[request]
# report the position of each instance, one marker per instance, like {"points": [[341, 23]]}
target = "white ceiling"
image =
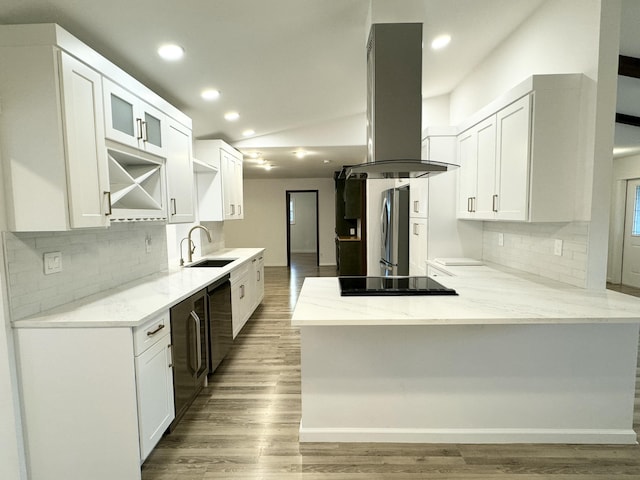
{"points": [[295, 70]]}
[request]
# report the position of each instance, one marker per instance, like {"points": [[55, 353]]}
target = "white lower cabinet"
{"points": [[247, 291], [154, 382], [98, 406]]}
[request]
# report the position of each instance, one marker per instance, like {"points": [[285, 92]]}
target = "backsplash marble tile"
{"points": [[92, 261], [530, 247]]}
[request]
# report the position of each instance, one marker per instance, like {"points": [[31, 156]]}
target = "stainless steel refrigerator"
{"points": [[394, 225]]}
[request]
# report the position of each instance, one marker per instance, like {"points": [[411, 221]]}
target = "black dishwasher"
{"points": [[189, 340], [220, 326]]}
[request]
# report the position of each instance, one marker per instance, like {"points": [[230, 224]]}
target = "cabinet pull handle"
{"points": [[495, 203], [145, 133], [416, 206], [473, 204], [416, 229], [139, 125], [170, 347], [241, 291], [195, 317], [469, 204], [233, 209], [239, 209], [108, 195], [173, 206], [254, 260], [258, 278], [152, 333]]}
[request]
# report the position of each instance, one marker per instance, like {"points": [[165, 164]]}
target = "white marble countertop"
{"points": [[486, 296], [135, 302]]}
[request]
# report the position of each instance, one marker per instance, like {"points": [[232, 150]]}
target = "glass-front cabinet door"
{"points": [[131, 121]]}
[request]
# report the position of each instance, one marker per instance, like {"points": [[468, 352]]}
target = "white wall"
{"points": [[303, 230], [563, 36], [265, 218]]}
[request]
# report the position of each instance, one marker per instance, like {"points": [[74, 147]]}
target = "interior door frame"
{"points": [[288, 214]]}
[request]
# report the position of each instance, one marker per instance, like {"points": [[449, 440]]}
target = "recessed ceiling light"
{"points": [[254, 154], [440, 41], [326, 161], [268, 167], [231, 116], [171, 52], [300, 153], [248, 133], [261, 161], [210, 94]]}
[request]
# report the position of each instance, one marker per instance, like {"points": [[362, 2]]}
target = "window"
{"points": [[292, 211], [635, 229]]}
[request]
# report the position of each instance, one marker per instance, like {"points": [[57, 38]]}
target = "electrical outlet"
{"points": [[557, 247], [501, 239], [52, 262]]}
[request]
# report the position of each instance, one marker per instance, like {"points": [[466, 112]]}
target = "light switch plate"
{"points": [[557, 247], [52, 262]]}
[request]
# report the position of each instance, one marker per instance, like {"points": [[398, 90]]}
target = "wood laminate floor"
{"points": [[244, 424]]}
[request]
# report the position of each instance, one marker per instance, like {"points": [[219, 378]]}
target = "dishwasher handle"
{"points": [[198, 350]]}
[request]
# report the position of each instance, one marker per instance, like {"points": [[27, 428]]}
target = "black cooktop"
{"points": [[373, 286]]}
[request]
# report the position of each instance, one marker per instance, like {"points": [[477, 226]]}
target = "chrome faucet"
{"points": [[191, 247]]}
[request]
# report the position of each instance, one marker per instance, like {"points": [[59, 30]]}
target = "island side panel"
{"points": [[548, 383]]}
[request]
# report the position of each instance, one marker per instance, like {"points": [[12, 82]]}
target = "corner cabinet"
{"points": [[226, 200], [518, 162], [53, 145]]}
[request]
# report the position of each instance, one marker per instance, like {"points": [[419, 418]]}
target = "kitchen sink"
{"points": [[213, 262]]}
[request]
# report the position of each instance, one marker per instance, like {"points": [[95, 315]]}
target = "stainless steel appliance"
{"points": [[394, 226], [377, 286], [189, 339], [220, 327], [394, 104]]}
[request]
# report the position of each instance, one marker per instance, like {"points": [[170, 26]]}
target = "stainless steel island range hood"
{"points": [[394, 105]]}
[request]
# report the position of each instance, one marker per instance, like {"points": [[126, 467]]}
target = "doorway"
{"points": [[631, 242], [303, 245]]}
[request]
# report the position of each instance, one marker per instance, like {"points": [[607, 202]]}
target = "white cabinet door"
{"points": [[87, 173], [154, 385], [257, 281], [418, 197], [418, 246], [240, 301], [131, 121], [227, 162], [512, 161], [238, 188], [484, 207], [179, 167], [468, 174]]}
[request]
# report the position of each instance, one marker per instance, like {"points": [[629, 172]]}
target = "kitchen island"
{"points": [[512, 359]]}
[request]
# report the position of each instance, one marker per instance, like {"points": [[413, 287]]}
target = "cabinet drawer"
{"points": [[240, 271], [150, 332]]}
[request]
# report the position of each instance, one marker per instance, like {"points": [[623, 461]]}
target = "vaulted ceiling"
{"points": [[295, 70]]}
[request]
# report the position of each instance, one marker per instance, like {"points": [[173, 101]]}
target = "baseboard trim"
{"points": [[475, 435]]}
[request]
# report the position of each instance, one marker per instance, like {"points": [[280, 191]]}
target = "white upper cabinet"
{"points": [[519, 155], [220, 194], [53, 145], [179, 164], [132, 121]]}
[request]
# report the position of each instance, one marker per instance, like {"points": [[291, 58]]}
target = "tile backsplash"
{"points": [[530, 247], [92, 261]]}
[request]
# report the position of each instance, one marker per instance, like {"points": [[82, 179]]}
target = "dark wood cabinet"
{"points": [[350, 202]]}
